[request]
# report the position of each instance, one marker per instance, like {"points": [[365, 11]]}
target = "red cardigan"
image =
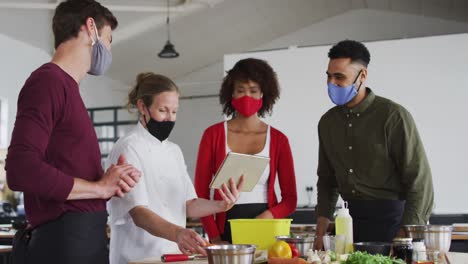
{"points": [[211, 153]]}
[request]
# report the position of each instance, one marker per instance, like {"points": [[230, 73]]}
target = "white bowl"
{"points": [[438, 237]]}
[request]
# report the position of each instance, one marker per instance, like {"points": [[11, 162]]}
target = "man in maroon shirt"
{"points": [[54, 155]]}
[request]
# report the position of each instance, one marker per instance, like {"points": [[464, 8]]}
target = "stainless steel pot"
{"points": [[231, 254], [415, 231], [302, 242]]}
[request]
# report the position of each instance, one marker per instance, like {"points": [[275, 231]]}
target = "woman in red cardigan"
{"points": [[248, 92]]}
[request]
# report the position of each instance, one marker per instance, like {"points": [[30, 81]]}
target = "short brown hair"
{"points": [[72, 14], [255, 70], [148, 85]]}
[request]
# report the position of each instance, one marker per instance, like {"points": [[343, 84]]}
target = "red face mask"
{"points": [[247, 105]]}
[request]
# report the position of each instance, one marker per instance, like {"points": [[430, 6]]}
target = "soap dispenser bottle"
{"points": [[344, 227]]}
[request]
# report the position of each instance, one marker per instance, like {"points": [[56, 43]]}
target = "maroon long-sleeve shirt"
{"points": [[53, 142]]}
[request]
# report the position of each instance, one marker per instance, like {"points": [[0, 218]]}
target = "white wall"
{"points": [[363, 25], [426, 75], [20, 59], [193, 117], [98, 91]]}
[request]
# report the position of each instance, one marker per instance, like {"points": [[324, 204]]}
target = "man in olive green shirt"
{"points": [[370, 152]]}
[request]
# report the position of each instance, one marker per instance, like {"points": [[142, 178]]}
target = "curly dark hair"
{"points": [[255, 70], [72, 14], [356, 51]]}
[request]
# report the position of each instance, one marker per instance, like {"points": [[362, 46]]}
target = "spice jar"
{"points": [[403, 249], [419, 250]]}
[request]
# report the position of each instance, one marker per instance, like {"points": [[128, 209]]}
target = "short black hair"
{"points": [[352, 49], [250, 69], [72, 14]]}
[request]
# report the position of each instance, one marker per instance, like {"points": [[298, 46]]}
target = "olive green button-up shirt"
{"points": [[373, 151]]}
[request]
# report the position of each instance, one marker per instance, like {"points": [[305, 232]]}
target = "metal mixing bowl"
{"points": [[438, 237], [415, 231], [302, 242], [231, 254]]}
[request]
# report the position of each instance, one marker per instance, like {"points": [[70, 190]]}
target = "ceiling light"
{"points": [[168, 50]]}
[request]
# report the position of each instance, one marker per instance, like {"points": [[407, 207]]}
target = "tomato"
{"points": [[294, 251], [280, 249]]}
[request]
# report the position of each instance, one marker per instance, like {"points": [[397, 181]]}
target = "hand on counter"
{"points": [[318, 243], [190, 242], [322, 226]]}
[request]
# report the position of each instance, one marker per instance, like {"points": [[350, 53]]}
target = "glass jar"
{"points": [[428, 257], [419, 250], [403, 249]]}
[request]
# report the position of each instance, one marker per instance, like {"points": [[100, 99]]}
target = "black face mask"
{"points": [[159, 130]]}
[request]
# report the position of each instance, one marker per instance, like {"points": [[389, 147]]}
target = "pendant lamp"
{"points": [[168, 50]]}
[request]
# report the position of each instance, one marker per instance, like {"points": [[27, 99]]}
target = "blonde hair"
{"points": [[148, 85]]}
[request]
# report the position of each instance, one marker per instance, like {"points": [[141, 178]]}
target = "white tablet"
{"points": [[235, 165]]}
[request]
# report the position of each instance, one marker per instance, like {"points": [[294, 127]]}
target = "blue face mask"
{"points": [[101, 57], [343, 95]]}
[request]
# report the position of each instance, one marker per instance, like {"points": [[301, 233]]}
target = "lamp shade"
{"points": [[168, 51]]}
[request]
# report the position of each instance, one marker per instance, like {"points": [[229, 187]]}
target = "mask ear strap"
{"points": [[355, 80], [359, 87], [97, 35], [144, 116]]}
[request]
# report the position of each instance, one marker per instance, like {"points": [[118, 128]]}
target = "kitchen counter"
{"points": [[454, 257], [460, 231], [457, 258]]}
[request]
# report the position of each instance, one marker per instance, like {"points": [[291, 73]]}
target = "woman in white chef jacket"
{"points": [[150, 220]]}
